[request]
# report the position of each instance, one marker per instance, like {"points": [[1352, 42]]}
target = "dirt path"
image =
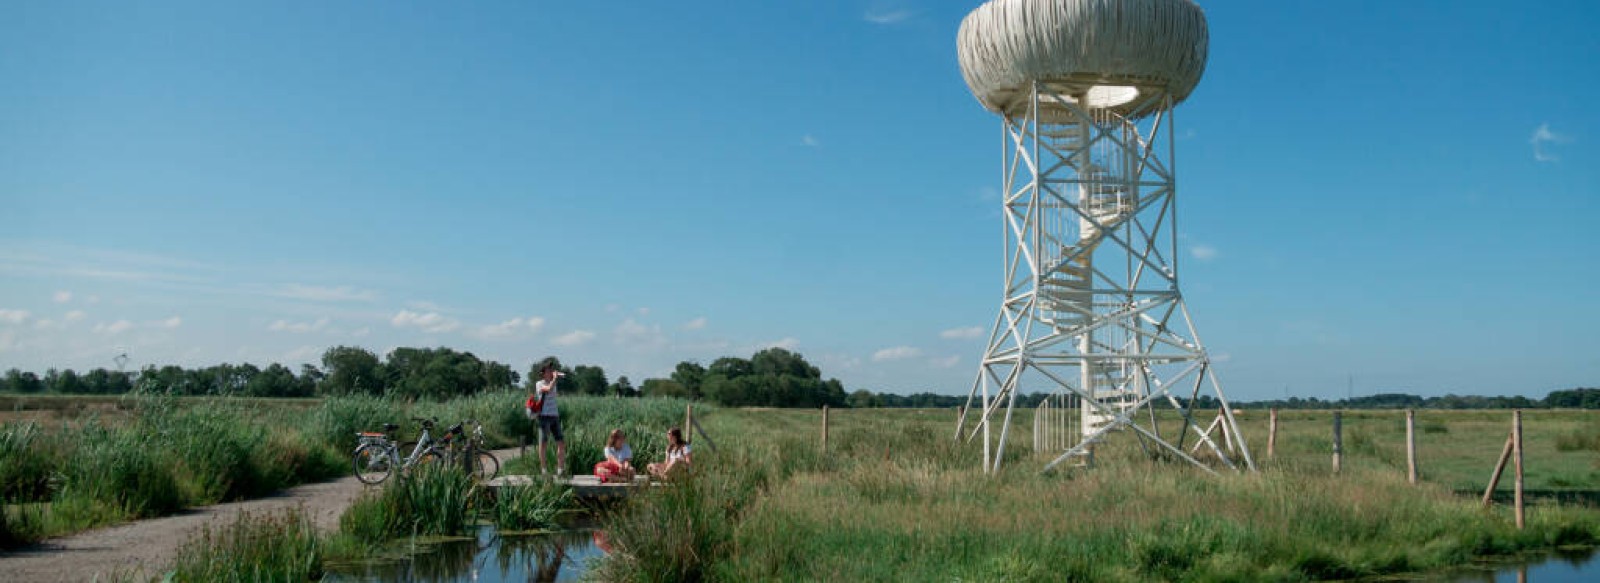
{"points": [[144, 548]]}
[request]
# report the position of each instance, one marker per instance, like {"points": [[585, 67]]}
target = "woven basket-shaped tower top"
{"points": [[1125, 56]]}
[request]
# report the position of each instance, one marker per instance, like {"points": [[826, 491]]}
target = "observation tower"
{"points": [[1092, 313]]}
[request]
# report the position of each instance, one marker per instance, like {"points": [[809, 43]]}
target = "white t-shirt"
{"points": [[677, 456], [549, 409], [622, 455]]}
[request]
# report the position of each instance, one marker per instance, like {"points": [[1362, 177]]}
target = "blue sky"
{"points": [[1402, 193]]}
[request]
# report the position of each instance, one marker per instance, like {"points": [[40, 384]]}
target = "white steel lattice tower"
{"points": [[1092, 312]]}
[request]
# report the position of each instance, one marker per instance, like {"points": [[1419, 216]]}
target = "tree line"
{"points": [[774, 377]]}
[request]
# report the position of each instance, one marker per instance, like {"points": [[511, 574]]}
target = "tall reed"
{"points": [[257, 548]]}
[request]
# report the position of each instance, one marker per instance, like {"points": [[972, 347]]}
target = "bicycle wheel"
{"points": [[485, 466], [430, 456], [373, 464]]}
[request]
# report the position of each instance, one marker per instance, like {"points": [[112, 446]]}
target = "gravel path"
{"points": [[144, 548]]}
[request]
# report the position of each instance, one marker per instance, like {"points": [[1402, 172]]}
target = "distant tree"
{"points": [[17, 381], [663, 388], [310, 376], [68, 383], [689, 375], [499, 375], [587, 380], [274, 381], [862, 399], [1584, 398], [351, 370], [624, 388]]}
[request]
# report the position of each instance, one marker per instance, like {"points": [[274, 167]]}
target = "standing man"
{"points": [[542, 408]]}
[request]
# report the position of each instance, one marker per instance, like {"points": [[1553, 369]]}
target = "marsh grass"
{"points": [[432, 500], [536, 507], [259, 548], [897, 499]]}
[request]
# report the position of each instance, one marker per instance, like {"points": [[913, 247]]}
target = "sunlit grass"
{"points": [[896, 498]]}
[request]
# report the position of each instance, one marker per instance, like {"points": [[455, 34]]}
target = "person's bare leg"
{"points": [[542, 468], [561, 457]]}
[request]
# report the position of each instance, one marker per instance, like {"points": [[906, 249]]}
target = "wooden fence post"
{"points": [[1272, 432], [1516, 438], [522, 445], [1411, 445], [1499, 468], [824, 428], [688, 419], [1338, 440]]}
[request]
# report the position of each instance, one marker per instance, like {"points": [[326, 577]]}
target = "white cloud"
{"points": [[298, 327], [574, 338], [511, 327], [170, 323], [789, 343], [644, 311], [424, 305], [695, 324], [1203, 252], [946, 362], [632, 333], [811, 141], [75, 315], [1542, 137], [1221, 357], [13, 316], [316, 293], [113, 328], [429, 322], [44, 324], [895, 353], [302, 354], [962, 333], [361, 332], [62, 297], [887, 17]]}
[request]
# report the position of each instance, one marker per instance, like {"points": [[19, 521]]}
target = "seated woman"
{"points": [[678, 460], [618, 466]]}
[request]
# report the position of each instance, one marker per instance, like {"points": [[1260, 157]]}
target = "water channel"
{"points": [[1569, 566], [488, 558], [566, 556]]}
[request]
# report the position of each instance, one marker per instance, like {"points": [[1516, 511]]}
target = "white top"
{"points": [[677, 456], [622, 455], [549, 409], [1117, 51]]}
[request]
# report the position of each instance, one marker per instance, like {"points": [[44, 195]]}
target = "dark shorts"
{"points": [[551, 426]]}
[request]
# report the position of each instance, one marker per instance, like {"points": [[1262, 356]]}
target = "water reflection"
{"points": [[489, 557], [1568, 566]]}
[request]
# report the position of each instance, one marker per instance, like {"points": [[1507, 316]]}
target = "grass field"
{"points": [[102, 460], [896, 498]]}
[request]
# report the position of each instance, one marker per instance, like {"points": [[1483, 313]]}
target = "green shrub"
{"points": [[283, 547], [124, 471], [534, 507], [431, 500], [20, 524], [27, 460], [367, 520]]}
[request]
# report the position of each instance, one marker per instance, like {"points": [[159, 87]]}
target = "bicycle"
{"points": [[482, 459], [376, 456], [484, 465]]}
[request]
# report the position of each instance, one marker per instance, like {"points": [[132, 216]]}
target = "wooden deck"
{"points": [[583, 486]]}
